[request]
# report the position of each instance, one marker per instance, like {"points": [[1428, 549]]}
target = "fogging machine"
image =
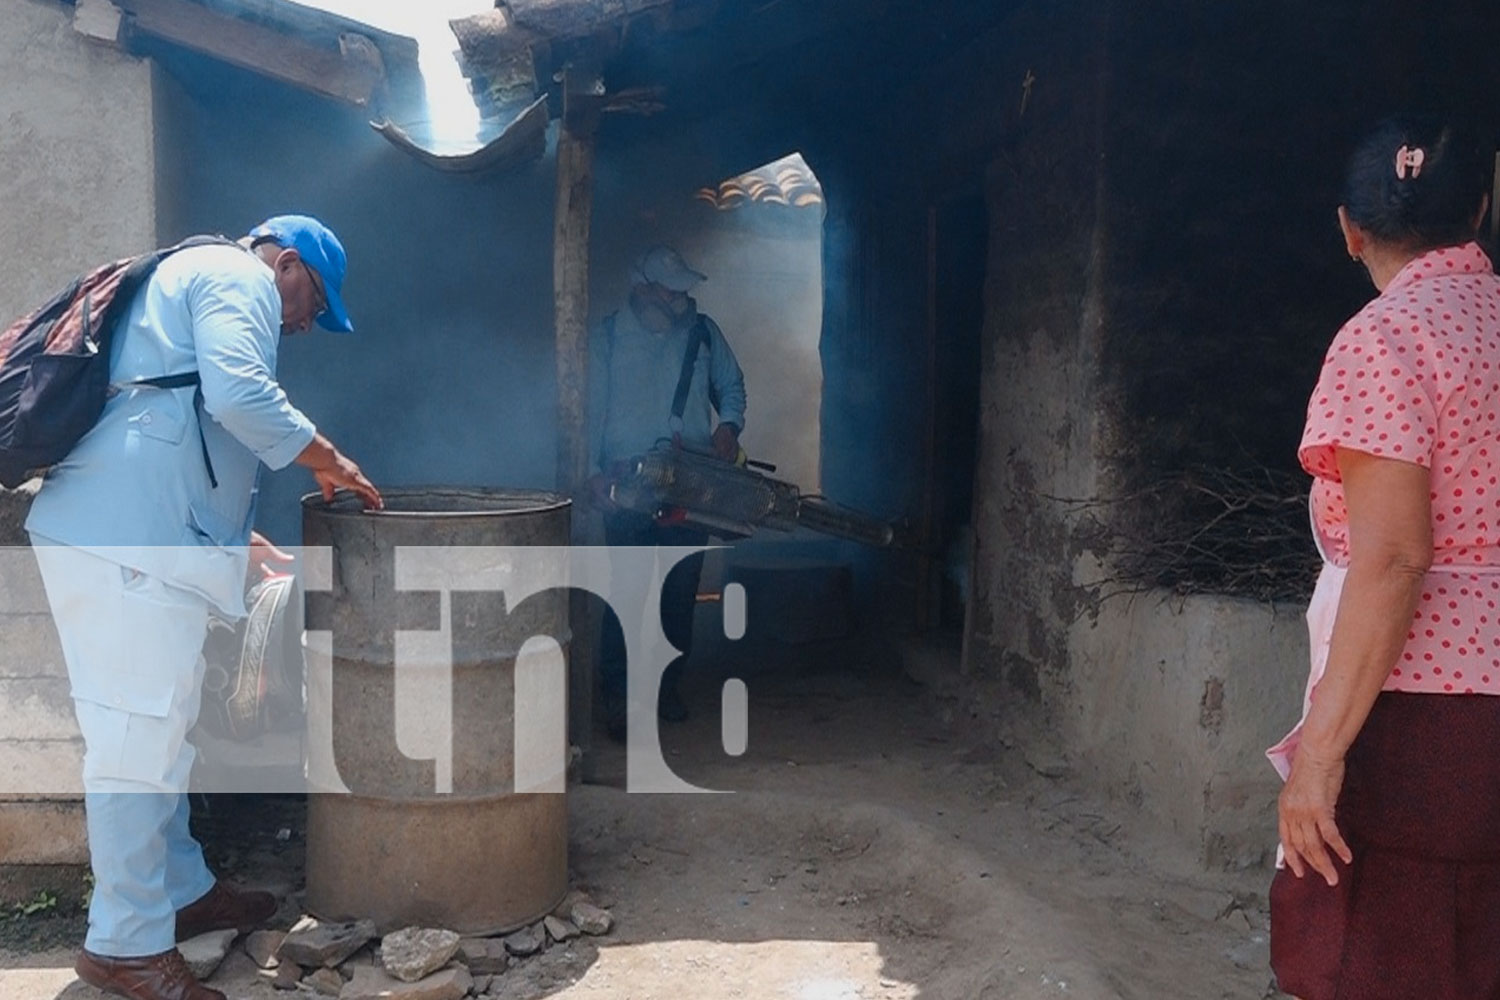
{"points": [[685, 486]]}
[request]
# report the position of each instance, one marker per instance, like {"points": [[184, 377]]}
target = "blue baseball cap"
{"points": [[315, 244]]}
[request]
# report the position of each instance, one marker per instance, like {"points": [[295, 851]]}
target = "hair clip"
{"points": [[1409, 158]]}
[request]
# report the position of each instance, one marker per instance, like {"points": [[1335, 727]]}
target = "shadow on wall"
{"points": [[449, 376]]}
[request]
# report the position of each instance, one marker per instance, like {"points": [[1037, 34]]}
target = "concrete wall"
{"points": [[1166, 702], [77, 187], [1163, 279], [76, 163], [1172, 704]]}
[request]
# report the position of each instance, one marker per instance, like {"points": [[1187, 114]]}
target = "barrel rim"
{"points": [[346, 504]]}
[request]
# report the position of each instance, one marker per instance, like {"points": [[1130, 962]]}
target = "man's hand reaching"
{"points": [[345, 475], [726, 442], [335, 471], [598, 489], [267, 558]]}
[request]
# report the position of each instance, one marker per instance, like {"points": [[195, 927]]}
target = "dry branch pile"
{"points": [[1210, 531]]}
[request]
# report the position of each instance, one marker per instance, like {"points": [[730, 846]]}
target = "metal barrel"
{"points": [[437, 709]]}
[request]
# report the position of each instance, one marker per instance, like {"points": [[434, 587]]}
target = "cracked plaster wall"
{"points": [[77, 187]]}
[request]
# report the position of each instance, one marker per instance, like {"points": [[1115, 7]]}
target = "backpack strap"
{"points": [[697, 337], [182, 380]]}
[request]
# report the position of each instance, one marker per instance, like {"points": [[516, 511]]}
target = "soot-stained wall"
{"points": [[1164, 227], [1164, 273]]}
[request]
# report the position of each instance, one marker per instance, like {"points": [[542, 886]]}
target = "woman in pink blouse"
{"points": [[1390, 817]]}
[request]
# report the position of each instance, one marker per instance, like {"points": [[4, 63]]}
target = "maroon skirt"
{"points": [[1416, 916]]}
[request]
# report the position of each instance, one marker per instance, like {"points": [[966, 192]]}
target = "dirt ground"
{"points": [[870, 850]]}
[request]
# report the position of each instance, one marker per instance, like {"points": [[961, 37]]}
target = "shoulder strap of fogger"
{"points": [[697, 337]]}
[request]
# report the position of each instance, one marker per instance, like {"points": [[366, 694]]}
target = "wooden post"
{"points": [[570, 292], [570, 285]]}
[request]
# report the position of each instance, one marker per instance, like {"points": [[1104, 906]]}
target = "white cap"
{"points": [[661, 265]]}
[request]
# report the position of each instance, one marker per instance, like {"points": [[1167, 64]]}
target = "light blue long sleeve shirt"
{"points": [[633, 375], [136, 489]]}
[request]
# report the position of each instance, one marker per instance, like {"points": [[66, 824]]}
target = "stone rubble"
{"points": [[371, 983], [312, 942], [564, 910], [526, 941], [205, 952], [317, 958], [261, 946], [484, 956], [559, 930], [288, 975], [591, 919], [414, 952], [325, 981]]}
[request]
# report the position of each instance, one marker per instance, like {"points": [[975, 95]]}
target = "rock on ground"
{"points": [[325, 981], [591, 919], [370, 983], [559, 930], [484, 956], [312, 942], [261, 947], [205, 952], [571, 899], [414, 952], [288, 975], [526, 941]]}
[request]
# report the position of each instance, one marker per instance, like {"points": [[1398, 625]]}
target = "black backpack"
{"points": [[54, 363]]}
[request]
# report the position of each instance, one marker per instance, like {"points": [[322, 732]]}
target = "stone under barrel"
{"points": [[437, 724]]}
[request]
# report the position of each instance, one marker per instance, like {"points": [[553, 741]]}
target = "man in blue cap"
{"points": [[143, 529]]}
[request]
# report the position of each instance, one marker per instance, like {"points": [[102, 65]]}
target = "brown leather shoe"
{"points": [[223, 907], [154, 977]]}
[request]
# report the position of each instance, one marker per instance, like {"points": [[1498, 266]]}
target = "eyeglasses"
{"points": [[320, 302]]}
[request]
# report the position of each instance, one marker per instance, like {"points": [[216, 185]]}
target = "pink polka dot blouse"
{"points": [[1415, 376]]}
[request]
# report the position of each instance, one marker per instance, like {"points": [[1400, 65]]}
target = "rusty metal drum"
{"points": [[437, 709]]}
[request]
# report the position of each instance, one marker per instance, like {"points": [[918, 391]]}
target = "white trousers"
{"points": [[133, 646]]}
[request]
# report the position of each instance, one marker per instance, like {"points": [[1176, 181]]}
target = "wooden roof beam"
{"points": [[354, 73]]}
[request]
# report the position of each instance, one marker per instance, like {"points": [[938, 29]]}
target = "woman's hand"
{"points": [[1305, 815]]}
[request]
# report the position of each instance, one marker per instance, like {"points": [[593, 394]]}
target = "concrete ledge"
{"points": [[41, 768], [36, 708], [21, 589], [1172, 703], [29, 647], [42, 832]]}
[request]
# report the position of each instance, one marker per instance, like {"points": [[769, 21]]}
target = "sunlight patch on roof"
{"points": [[452, 124]]}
